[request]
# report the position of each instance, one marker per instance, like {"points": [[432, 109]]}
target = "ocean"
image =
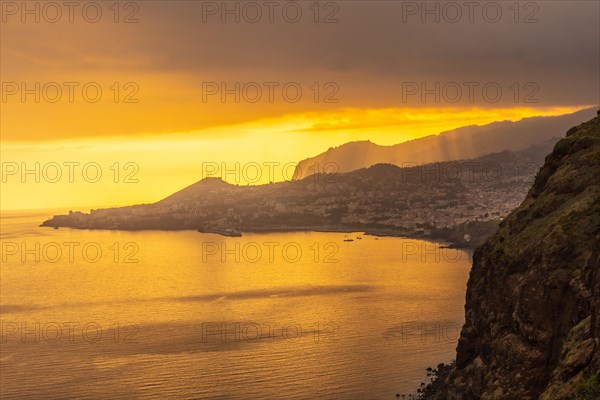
{"points": [[156, 314]]}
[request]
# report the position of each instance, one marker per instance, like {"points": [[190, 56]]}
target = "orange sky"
{"points": [[145, 168], [156, 110]]}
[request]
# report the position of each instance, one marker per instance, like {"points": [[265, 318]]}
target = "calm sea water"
{"points": [[113, 315]]}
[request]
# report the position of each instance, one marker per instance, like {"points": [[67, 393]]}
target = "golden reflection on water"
{"points": [[189, 315]]}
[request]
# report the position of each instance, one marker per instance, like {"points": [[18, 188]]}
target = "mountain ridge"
{"points": [[441, 200], [462, 143]]}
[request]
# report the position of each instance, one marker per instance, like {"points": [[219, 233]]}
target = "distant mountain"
{"points": [[532, 329], [458, 144], [205, 187], [441, 200]]}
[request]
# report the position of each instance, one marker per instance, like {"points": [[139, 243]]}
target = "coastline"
{"points": [[443, 242]]}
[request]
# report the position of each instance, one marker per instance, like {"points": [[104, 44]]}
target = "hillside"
{"points": [[532, 327], [462, 143], [444, 200]]}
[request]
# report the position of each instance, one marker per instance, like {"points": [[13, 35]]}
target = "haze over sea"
{"points": [[155, 314]]}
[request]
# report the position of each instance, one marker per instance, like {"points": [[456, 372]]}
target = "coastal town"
{"points": [[457, 201]]}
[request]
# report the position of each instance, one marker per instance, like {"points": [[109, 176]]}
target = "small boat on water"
{"points": [[347, 239], [222, 232], [231, 233]]}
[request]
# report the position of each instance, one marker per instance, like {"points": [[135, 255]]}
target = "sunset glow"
{"points": [[170, 161], [299, 199]]}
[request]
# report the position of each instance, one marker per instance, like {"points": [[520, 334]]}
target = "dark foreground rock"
{"points": [[533, 299]]}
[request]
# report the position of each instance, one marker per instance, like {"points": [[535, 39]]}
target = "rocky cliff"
{"points": [[533, 299]]}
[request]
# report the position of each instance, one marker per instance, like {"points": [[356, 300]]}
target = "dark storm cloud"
{"points": [[373, 35], [377, 42], [372, 49]]}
